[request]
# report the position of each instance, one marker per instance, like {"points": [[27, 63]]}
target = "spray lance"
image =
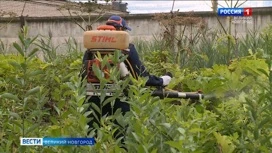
{"points": [[163, 93]]}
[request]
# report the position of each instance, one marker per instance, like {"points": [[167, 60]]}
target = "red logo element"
{"points": [[103, 39], [247, 11]]}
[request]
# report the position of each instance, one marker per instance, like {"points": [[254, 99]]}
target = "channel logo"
{"points": [[47, 141], [234, 11], [31, 141]]}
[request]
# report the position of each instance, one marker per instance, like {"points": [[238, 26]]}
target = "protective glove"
{"points": [[166, 80]]}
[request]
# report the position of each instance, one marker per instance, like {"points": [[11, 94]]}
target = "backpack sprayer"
{"points": [[107, 40]]}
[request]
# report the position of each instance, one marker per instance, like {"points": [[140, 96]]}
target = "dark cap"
{"points": [[118, 21]]}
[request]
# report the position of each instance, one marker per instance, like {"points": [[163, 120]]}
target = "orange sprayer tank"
{"points": [[106, 37]]}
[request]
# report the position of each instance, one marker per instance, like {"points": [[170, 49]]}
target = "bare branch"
{"points": [[75, 21], [85, 9], [9, 15]]}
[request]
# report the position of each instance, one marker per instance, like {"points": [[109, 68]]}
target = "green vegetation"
{"points": [[41, 98]]}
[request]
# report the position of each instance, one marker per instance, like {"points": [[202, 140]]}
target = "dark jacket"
{"points": [[137, 66]]}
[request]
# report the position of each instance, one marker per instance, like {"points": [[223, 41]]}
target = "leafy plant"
{"points": [[24, 122], [41, 98]]}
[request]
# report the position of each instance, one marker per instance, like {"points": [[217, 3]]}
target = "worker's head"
{"points": [[118, 22]]}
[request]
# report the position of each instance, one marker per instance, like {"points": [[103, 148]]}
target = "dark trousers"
{"points": [[107, 110]]}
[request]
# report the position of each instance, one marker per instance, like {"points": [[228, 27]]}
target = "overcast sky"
{"points": [[153, 6], [150, 6]]}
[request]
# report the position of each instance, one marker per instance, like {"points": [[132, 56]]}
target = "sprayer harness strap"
{"points": [[132, 71]]}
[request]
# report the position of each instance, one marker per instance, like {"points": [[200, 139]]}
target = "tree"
{"points": [[214, 5], [85, 11]]}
